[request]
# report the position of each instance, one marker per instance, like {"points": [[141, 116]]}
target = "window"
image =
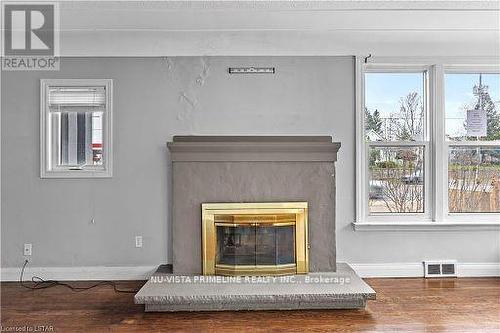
{"points": [[76, 136], [396, 179], [416, 122], [395, 133], [472, 119]]}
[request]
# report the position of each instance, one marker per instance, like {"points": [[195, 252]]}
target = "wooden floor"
{"points": [[402, 305]]}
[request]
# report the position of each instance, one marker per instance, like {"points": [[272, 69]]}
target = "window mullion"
{"points": [[439, 163], [398, 143], [473, 143]]}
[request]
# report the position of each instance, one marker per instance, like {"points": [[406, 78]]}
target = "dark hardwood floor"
{"points": [[402, 305]]}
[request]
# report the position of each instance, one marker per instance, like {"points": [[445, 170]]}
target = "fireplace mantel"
{"points": [[251, 169], [253, 148]]}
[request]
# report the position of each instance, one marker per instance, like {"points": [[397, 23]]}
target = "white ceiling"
{"points": [[152, 28]]}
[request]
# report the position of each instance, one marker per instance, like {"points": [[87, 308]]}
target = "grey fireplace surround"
{"points": [[252, 169]]}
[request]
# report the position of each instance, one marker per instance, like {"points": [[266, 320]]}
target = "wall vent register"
{"points": [[445, 268]]}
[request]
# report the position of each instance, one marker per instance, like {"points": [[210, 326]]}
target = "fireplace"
{"points": [[267, 208], [278, 171], [255, 238]]}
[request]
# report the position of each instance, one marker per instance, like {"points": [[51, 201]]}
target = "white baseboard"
{"points": [[417, 269], [478, 269], [79, 273], [389, 270], [144, 272]]}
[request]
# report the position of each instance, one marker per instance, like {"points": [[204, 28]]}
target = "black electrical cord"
{"points": [[40, 283]]}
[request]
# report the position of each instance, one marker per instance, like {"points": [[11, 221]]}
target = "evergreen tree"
{"points": [[377, 122], [373, 121]]}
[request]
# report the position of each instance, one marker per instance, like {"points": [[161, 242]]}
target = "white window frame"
{"points": [[49, 171], [436, 215]]}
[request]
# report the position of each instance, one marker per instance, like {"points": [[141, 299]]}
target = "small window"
{"points": [[395, 132], [76, 128], [473, 142]]}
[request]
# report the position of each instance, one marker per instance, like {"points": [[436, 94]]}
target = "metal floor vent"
{"points": [[442, 268]]}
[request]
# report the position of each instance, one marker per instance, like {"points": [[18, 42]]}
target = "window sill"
{"points": [[425, 226], [76, 174]]}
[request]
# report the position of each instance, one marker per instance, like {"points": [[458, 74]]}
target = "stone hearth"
{"points": [[334, 290]]}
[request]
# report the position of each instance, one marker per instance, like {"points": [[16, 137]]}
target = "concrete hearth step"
{"points": [[343, 289]]}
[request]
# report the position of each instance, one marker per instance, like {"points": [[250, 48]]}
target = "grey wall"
{"points": [[155, 99]]}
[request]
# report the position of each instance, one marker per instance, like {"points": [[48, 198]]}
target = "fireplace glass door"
{"points": [[254, 244], [255, 238]]}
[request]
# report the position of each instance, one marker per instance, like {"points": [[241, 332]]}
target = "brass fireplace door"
{"points": [[255, 238]]}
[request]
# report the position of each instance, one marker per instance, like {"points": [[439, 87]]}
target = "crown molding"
{"points": [[338, 5]]}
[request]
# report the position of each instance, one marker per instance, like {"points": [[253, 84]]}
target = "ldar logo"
{"points": [[31, 36]]}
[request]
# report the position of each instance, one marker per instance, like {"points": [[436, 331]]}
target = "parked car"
{"points": [[416, 177], [376, 189]]}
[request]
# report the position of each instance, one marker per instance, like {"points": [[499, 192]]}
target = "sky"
{"points": [[459, 95], [384, 90]]}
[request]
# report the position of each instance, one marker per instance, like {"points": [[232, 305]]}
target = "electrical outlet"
{"points": [[138, 241], [28, 249]]}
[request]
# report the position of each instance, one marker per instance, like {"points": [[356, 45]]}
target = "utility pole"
{"points": [[480, 107]]}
